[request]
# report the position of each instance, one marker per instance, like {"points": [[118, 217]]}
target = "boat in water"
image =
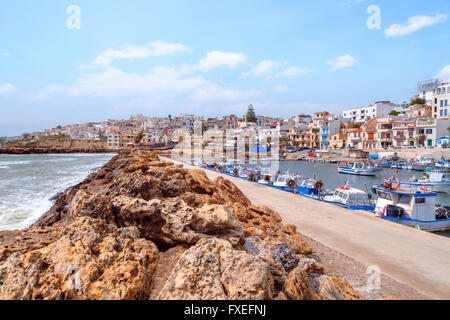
{"points": [[410, 205], [351, 198], [438, 181], [359, 169]]}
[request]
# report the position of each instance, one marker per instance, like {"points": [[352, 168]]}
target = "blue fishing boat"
{"points": [[360, 169]]}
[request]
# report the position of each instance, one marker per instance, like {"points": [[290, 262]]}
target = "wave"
{"points": [[12, 163]]}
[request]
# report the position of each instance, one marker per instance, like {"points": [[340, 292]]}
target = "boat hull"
{"points": [[358, 172], [436, 225]]}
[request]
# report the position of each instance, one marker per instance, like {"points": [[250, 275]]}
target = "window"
{"points": [[442, 103], [404, 199], [429, 131], [384, 195], [420, 200]]}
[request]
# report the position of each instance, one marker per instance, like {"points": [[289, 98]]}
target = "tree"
{"points": [[421, 140], [394, 113], [251, 115], [418, 101]]}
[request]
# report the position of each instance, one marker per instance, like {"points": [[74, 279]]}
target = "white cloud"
{"points": [[271, 69], [6, 88], [5, 54], [155, 49], [293, 71], [281, 88], [263, 68], [156, 84], [346, 61], [216, 59], [444, 74], [414, 24]]}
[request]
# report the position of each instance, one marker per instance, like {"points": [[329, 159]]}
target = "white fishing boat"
{"points": [[284, 181], [360, 169], [267, 177], [410, 205], [351, 198], [438, 181]]}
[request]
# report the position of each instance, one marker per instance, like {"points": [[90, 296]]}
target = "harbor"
{"points": [[414, 257]]}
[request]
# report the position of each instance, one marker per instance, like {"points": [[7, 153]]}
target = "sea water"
{"points": [[28, 182]]}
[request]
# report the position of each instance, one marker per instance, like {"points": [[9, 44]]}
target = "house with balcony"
{"points": [[404, 133], [428, 131], [441, 102], [327, 129], [384, 134]]}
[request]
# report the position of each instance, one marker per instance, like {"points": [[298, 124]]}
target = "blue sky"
{"points": [[211, 57]]}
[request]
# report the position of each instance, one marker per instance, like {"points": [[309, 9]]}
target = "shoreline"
{"points": [[368, 240], [136, 216]]}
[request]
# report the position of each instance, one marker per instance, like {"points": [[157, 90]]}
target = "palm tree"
{"points": [[421, 140]]}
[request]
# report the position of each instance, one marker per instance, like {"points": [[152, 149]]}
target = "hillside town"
{"points": [[423, 122]]}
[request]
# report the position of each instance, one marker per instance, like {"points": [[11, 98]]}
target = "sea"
{"points": [[28, 182]]}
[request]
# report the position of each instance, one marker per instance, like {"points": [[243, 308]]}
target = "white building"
{"points": [[380, 109], [426, 89], [327, 129], [441, 102], [432, 129]]}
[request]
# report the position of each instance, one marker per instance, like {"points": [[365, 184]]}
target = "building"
{"points": [[329, 125], [113, 140], [380, 109], [404, 133], [426, 89], [339, 141], [428, 131], [441, 101], [384, 133]]}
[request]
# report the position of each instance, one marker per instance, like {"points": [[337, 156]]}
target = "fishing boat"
{"points": [[360, 169], [351, 198], [410, 205], [437, 180], [310, 187], [284, 181], [266, 177], [422, 163]]}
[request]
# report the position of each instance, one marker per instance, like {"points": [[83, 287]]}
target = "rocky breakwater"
{"points": [[141, 228]]}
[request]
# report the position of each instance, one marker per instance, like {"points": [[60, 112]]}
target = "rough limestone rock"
{"points": [[172, 221], [297, 286], [213, 270], [333, 288], [90, 260], [273, 252]]}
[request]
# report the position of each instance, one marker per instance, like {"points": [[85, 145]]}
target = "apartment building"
{"points": [[384, 133], [430, 130], [426, 89], [380, 109], [404, 133], [113, 140], [328, 125], [441, 102]]}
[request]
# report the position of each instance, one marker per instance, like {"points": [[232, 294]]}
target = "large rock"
{"points": [[90, 260], [298, 286], [333, 288], [213, 270], [172, 221]]}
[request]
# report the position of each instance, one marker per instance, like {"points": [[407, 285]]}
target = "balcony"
{"points": [[399, 138]]}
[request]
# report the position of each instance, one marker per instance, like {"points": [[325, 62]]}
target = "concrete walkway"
{"points": [[416, 258]]}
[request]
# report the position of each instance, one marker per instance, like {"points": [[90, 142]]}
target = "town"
{"points": [[421, 123]]}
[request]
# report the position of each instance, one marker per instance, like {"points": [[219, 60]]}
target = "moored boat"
{"points": [[351, 198], [360, 169], [410, 205]]}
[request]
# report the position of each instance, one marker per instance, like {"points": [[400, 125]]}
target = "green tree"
{"points": [[418, 101], [421, 140], [394, 113], [251, 115]]}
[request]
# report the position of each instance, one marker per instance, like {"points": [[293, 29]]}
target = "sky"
{"points": [[64, 62]]}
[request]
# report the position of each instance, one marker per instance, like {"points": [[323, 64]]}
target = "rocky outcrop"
{"points": [[90, 260], [139, 221], [213, 270], [333, 288]]}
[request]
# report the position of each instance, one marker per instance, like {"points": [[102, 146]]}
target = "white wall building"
{"points": [[380, 109], [426, 89], [441, 102]]}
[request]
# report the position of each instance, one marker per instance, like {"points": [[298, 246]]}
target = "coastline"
{"points": [[125, 222], [369, 240]]}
